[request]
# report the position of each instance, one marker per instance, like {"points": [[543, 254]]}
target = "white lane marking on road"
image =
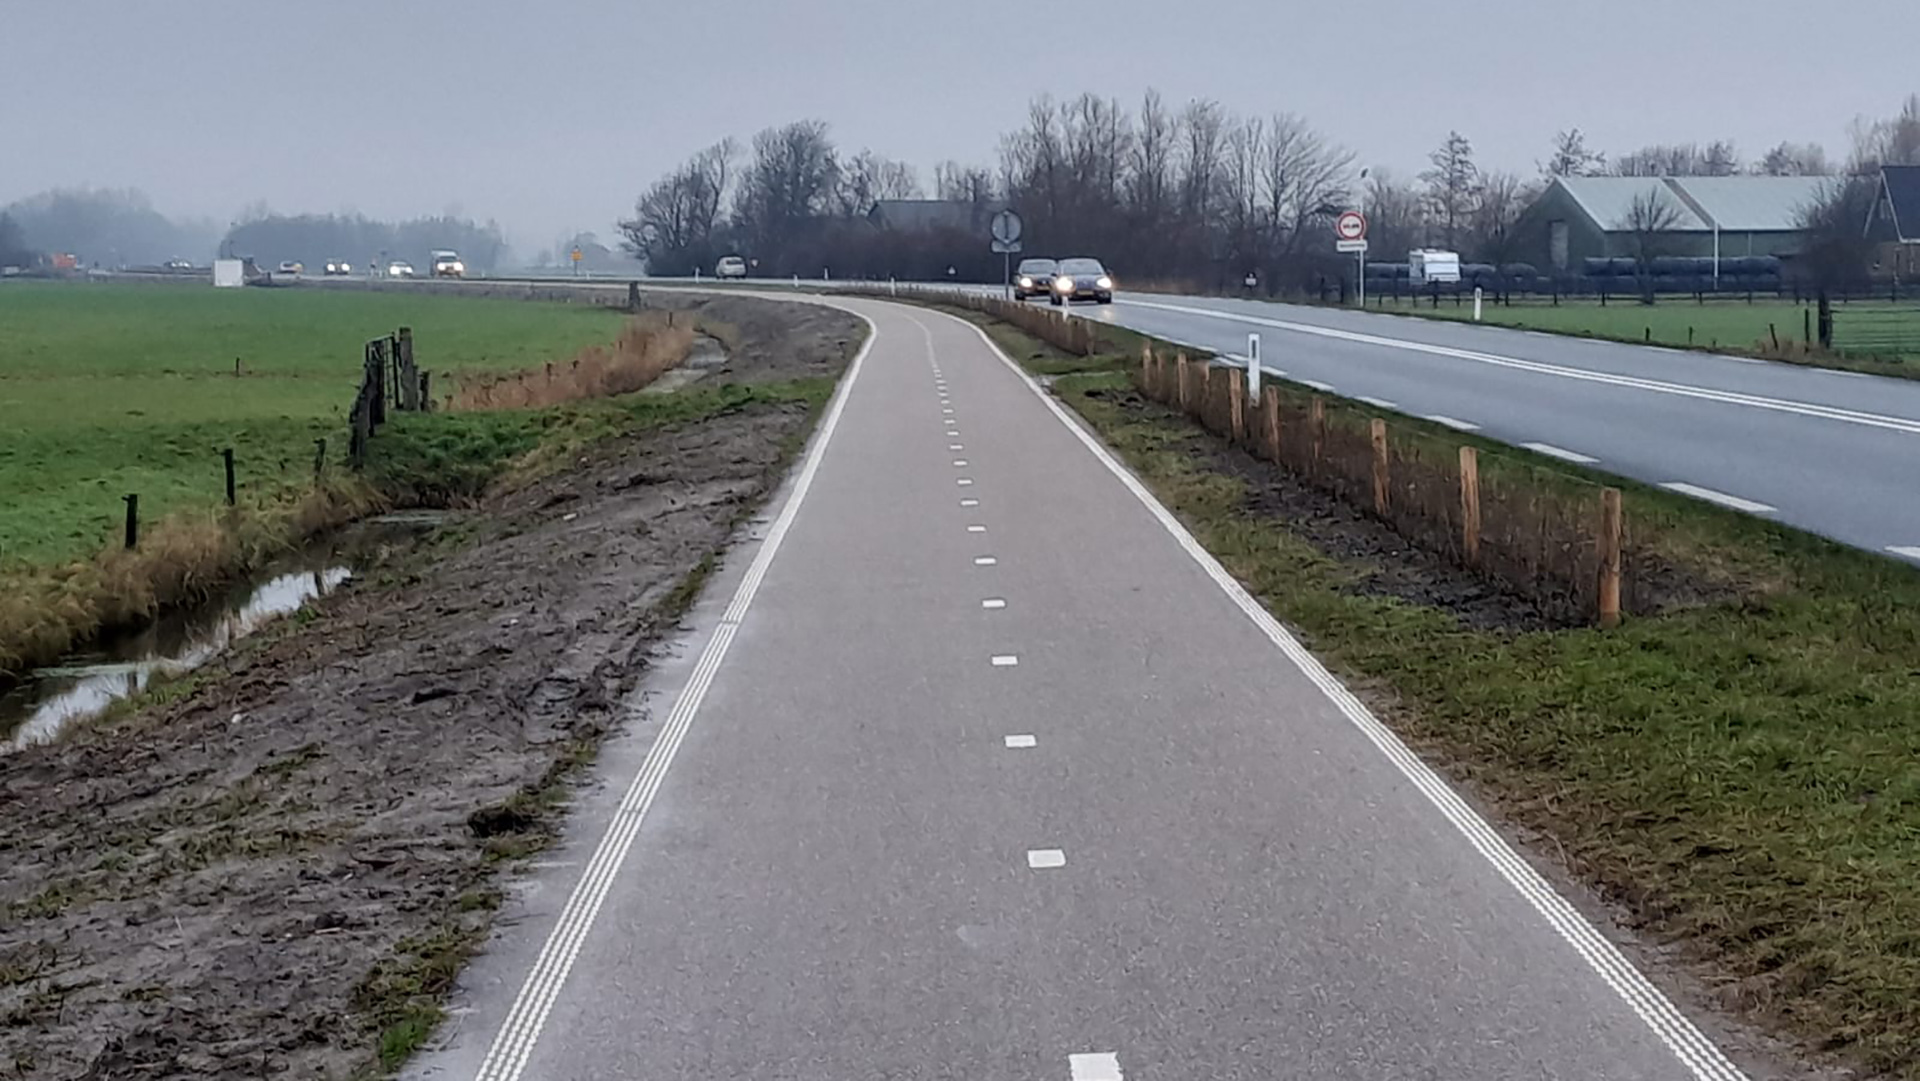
{"points": [[1561, 453], [1005, 660], [507, 1057], [1722, 498], [1846, 375], [1020, 743], [964, 481], [969, 502], [1041, 859], [1101, 1066], [993, 603], [1378, 403], [1317, 385], [1455, 423], [959, 463], [1909, 551], [956, 446], [976, 528], [984, 561], [1704, 1060], [1657, 386]]}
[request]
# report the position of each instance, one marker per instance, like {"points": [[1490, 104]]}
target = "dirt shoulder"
{"points": [[279, 871]]}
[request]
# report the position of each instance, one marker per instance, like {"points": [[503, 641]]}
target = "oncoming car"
{"points": [[337, 267], [448, 264], [1033, 277], [1081, 279], [399, 270], [731, 266], [291, 267]]}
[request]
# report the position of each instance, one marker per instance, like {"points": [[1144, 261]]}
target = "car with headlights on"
{"points": [[1081, 279], [338, 268], [400, 270], [1033, 277]]}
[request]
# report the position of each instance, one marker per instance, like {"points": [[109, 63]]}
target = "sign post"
{"points": [[1006, 229], [1350, 232], [576, 261]]}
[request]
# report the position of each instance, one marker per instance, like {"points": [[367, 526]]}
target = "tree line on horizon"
{"points": [[1194, 193]]}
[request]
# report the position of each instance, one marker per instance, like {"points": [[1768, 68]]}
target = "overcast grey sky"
{"points": [[552, 115]]}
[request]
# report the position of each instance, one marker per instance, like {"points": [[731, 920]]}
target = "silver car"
{"points": [[1081, 279]]}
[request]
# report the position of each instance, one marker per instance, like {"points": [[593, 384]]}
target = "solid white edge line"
{"points": [[1326, 388], [1732, 502], [507, 1056], [1907, 550], [1702, 1058], [1561, 453]]}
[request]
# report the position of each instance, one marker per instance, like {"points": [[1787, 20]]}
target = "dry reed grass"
{"points": [[647, 348]]}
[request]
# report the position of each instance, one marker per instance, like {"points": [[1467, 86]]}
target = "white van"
{"points": [[731, 266], [1427, 265]]}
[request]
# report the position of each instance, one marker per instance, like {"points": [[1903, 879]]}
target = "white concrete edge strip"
{"points": [[1733, 502], [1727, 397], [1561, 453], [1701, 1057], [507, 1057]]}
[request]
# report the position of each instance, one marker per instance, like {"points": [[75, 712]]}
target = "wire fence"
{"points": [[1555, 538]]}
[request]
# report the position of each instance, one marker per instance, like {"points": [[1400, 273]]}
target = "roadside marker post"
{"points": [[1253, 366], [1476, 304]]}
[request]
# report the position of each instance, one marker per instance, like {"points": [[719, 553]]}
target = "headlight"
{"points": [[1104, 282], [1064, 285], [346, 268], [1026, 282], [460, 267]]}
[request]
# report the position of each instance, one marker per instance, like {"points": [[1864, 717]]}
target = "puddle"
{"points": [[86, 682], [706, 357]]}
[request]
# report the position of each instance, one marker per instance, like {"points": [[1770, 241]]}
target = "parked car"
{"points": [[1082, 279], [400, 270], [1033, 277], [731, 266], [292, 267], [338, 267]]}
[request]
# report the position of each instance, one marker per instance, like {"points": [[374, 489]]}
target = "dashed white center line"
{"points": [[946, 410], [1561, 453], [956, 446], [1104, 1066], [1908, 551], [1019, 743], [993, 603], [1377, 403], [969, 502], [1041, 859], [1317, 385], [959, 463], [964, 481], [984, 561], [976, 529], [1005, 660], [1453, 422], [1733, 502]]}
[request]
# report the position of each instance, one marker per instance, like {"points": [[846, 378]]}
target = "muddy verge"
{"points": [[1386, 563], [260, 877]]}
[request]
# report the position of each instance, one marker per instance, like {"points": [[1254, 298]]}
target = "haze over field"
{"points": [[551, 118]]}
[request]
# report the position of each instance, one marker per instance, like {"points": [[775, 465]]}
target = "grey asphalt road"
{"points": [[975, 767], [1834, 453]]}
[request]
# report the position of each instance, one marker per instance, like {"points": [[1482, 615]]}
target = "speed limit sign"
{"points": [[1350, 225]]}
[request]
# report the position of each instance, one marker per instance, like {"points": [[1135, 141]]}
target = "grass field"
{"points": [[1739, 775], [107, 390], [1724, 325]]}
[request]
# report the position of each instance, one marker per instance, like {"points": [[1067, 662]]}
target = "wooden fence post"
{"points": [[1610, 557], [133, 519], [409, 386], [1470, 506], [1270, 404], [1146, 368], [1317, 419], [319, 459], [1237, 405], [1206, 391], [226, 455], [1380, 466], [1180, 375]]}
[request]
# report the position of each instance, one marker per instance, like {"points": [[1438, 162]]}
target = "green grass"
{"points": [[1731, 326], [111, 389], [1741, 775]]}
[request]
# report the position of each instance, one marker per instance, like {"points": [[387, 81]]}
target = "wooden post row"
{"points": [[1181, 369], [1610, 528], [1270, 404], [1381, 490], [1317, 420], [1470, 506], [1237, 406]]}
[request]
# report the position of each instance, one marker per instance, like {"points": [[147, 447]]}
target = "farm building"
{"points": [[1895, 225], [1591, 217]]}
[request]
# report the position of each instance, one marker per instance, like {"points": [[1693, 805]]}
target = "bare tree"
{"points": [[1302, 177], [1503, 197], [1150, 178], [867, 178], [1794, 159], [675, 219], [1453, 186], [1720, 159], [1892, 141], [963, 184], [1572, 158], [1649, 220], [1204, 124], [788, 185], [1838, 250], [1396, 213]]}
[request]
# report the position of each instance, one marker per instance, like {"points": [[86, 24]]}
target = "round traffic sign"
{"points": [[1006, 227], [1350, 225]]}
